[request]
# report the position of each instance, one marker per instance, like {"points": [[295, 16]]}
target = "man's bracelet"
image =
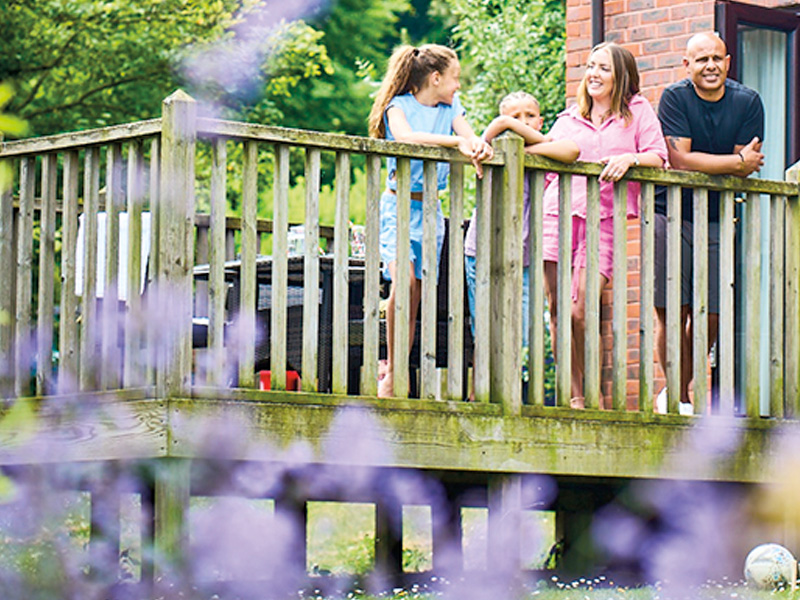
{"points": [[741, 155]]}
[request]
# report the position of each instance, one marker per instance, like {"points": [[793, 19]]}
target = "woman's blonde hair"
{"points": [[408, 69], [625, 86]]}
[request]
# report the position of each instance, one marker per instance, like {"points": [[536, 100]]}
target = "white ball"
{"points": [[770, 566]]}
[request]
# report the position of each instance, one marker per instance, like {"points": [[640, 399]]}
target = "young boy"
{"points": [[520, 113]]}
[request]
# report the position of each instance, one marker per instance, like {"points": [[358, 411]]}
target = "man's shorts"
{"points": [[388, 236], [550, 246], [687, 268]]}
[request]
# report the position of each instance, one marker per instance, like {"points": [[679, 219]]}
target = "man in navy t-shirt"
{"points": [[713, 125]]}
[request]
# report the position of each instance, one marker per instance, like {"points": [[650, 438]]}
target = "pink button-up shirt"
{"points": [[614, 136]]}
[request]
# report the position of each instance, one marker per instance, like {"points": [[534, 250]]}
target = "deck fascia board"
{"points": [[274, 426]]}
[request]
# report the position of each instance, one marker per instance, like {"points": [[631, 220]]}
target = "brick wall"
{"points": [[656, 32]]}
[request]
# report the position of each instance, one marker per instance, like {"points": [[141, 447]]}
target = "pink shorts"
{"points": [[550, 246]]}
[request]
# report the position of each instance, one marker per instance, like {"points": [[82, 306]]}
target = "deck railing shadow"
{"points": [[55, 338]]}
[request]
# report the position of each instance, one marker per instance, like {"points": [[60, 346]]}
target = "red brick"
{"points": [[656, 46], [701, 24], [655, 16], [614, 7], [692, 9], [643, 33], [672, 59]]}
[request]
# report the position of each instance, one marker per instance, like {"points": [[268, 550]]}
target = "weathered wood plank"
{"points": [[119, 425], [8, 269], [700, 302], [151, 333], [133, 367], [507, 278], [429, 386], [246, 316], [792, 299], [593, 352], [369, 379], [726, 357], [110, 373], [217, 288], [479, 437], [674, 236], [46, 284], [176, 236], [88, 319], [311, 299], [776, 300], [80, 139], [402, 295], [340, 342], [752, 308], [68, 368], [24, 327], [619, 325], [280, 269], [646, 299], [171, 518], [483, 257], [455, 297], [536, 292], [563, 337]]}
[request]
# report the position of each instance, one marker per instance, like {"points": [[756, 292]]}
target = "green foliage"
{"points": [[359, 36], [88, 63], [509, 45]]}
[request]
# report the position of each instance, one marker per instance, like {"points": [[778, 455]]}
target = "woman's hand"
{"points": [[616, 166]]}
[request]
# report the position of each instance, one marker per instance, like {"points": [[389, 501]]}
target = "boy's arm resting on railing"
{"points": [[536, 142], [565, 151], [745, 159]]}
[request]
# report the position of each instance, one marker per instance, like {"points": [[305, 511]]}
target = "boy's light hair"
{"points": [[519, 95]]}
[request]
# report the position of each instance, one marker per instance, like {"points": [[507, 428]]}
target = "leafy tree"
{"points": [[508, 45], [359, 36], [86, 63]]}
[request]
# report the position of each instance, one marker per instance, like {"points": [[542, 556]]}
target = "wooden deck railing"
{"points": [[55, 338]]}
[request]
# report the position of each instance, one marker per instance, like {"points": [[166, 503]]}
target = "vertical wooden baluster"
{"points": [[68, 351], [455, 297], [340, 343], [311, 297], [47, 243], [369, 380], [428, 311], [88, 330], [24, 329]]}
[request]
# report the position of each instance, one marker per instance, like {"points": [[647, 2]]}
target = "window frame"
{"points": [[729, 16]]}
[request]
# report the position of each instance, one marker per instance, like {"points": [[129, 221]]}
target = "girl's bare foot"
{"points": [[386, 385], [576, 402]]}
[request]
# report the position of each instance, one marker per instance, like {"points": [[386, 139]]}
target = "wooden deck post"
{"points": [[573, 532], [505, 518], [506, 277], [447, 535], [171, 507], [104, 541], [176, 243], [389, 540]]}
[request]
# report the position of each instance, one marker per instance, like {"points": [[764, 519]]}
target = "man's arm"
{"points": [[745, 159]]}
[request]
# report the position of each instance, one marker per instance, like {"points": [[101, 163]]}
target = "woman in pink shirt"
{"points": [[612, 124]]}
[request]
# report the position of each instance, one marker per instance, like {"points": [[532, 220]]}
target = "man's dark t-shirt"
{"points": [[713, 127]]}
